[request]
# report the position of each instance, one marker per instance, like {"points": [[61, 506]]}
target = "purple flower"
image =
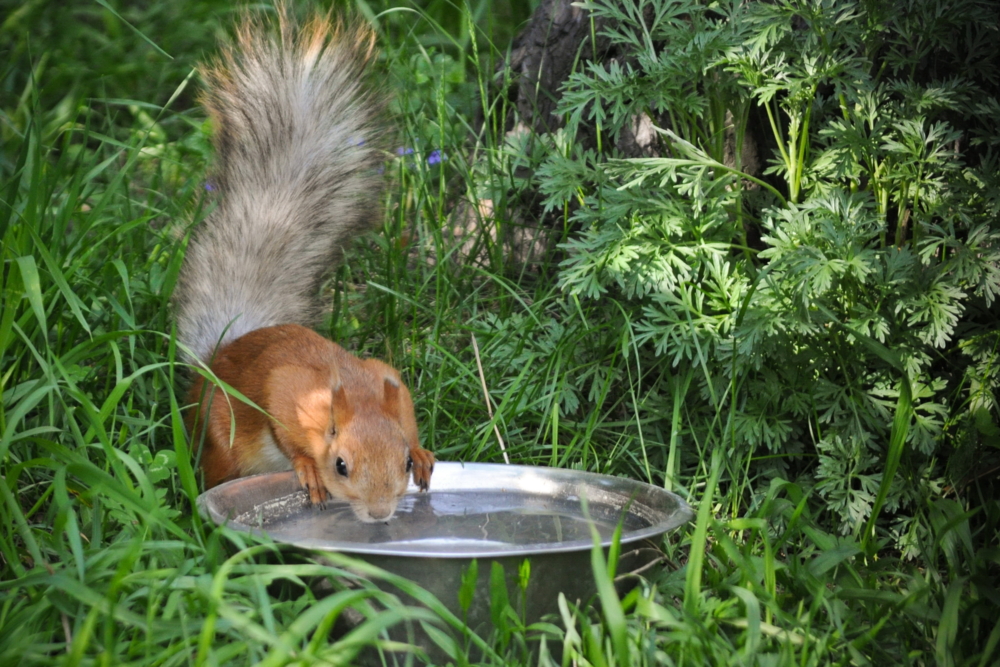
{"points": [[404, 151], [209, 187], [436, 157]]}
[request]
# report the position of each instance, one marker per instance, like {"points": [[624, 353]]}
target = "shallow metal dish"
{"points": [[501, 513]]}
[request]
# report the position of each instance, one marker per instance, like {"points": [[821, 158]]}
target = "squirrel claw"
{"points": [[305, 469], [423, 466]]}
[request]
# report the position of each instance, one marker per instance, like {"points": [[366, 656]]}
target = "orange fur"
{"points": [[327, 412]]}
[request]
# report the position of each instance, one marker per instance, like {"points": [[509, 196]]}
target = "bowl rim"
{"points": [[208, 505]]}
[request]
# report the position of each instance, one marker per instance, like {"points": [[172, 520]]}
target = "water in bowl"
{"points": [[446, 522]]}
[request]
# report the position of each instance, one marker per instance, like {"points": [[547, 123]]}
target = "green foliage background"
{"points": [[808, 353], [866, 254]]}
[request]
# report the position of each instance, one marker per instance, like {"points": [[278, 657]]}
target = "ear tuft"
{"points": [[390, 399], [342, 410]]}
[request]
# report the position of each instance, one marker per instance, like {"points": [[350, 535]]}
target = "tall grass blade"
{"points": [[897, 443], [699, 539]]}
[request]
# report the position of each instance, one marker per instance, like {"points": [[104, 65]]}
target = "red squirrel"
{"points": [[297, 135]]}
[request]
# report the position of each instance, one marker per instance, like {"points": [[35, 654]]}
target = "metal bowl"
{"points": [[491, 512]]}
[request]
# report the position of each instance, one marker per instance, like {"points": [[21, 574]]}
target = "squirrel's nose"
{"points": [[381, 513]]}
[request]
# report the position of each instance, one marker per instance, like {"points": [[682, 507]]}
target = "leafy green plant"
{"points": [[869, 228]]}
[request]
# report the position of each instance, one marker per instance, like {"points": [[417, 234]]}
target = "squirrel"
{"points": [[296, 135]]}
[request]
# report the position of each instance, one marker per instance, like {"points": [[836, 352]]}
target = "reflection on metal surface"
{"points": [[472, 510]]}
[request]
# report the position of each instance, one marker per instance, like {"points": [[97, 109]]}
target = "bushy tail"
{"points": [[296, 135]]}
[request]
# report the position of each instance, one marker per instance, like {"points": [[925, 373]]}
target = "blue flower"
{"points": [[436, 157], [404, 151]]}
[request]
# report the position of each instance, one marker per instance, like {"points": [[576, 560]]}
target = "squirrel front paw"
{"points": [[423, 466], [308, 474]]}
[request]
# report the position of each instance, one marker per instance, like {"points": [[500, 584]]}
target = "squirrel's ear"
{"points": [[342, 410], [390, 399]]}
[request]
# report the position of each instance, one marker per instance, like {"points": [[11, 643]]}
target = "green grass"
{"points": [[103, 558]]}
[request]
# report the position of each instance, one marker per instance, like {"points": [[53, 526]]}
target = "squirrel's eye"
{"points": [[409, 464], [341, 467]]}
